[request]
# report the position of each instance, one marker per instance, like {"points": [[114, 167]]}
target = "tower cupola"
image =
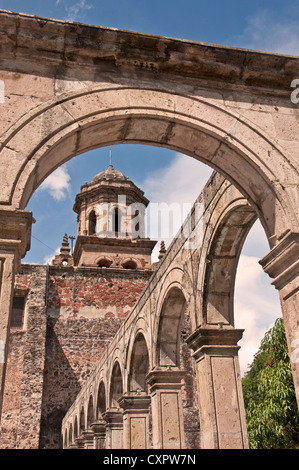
{"points": [[111, 223]]}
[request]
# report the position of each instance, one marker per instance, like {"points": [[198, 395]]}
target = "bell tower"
{"points": [[111, 227]]}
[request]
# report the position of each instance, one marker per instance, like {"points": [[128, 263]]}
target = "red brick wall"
{"points": [[72, 314], [85, 309], [24, 379]]}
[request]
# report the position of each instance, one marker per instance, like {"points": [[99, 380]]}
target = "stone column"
{"points": [[167, 412], [282, 264], [99, 430], [15, 232], [136, 420], [114, 428], [220, 395]]}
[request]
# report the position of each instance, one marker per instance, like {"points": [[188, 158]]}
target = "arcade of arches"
{"points": [[70, 88]]}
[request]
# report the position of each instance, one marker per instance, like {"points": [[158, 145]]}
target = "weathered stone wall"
{"points": [[52, 355], [85, 308], [24, 383]]}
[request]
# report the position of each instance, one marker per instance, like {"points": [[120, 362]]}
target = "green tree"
{"points": [[269, 395]]}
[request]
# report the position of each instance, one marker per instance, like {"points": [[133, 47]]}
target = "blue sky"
{"points": [[232, 23], [262, 25]]}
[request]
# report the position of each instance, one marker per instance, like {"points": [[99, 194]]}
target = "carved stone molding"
{"points": [[282, 262], [220, 341]]}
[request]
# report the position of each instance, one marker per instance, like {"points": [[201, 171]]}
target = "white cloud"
{"points": [[267, 32], [57, 184], [182, 181], [76, 10], [256, 306], [49, 258], [179, 183]]}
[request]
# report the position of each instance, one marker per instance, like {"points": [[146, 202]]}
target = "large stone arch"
{"points": [[214, 343], [78, 122], [208, 102]]}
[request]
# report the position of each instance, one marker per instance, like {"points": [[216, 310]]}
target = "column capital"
{"points": [[15, 229], [214, 341], [88, 437], [135, 403], [282, 262], [164, 378], [98, 427], [113, 416]]}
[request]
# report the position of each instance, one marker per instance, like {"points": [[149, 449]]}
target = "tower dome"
{"points": [[109, 174], [111, 223]]}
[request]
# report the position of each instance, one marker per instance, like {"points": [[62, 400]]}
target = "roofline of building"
{"points": [[32, 38]]}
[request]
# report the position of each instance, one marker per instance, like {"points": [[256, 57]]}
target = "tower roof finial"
{"points": [[110, 158]]}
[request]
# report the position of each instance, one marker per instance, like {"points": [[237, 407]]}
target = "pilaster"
{"points": [[220, 395], [99, 431], [167, 411], [136, 420], [15, 232], [114, 428]]}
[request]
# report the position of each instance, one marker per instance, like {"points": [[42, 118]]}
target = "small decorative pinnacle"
{"points": [[162, 250], [65, 247]]}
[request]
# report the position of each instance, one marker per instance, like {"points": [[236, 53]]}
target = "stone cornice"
{"points": [[15, 229], [282, 262], [35, 39], [214, 341], [144, 245]]}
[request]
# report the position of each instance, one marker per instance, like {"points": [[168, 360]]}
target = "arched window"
{"points": [[92, 221], [130, 265], [104, 263]]}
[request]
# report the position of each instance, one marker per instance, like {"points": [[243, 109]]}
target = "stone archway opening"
{"points": [[81, 422], [90, 412], [139, 365], [222, 261], [176, 372], [168, 342], [101, 401], [116, 386]]}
